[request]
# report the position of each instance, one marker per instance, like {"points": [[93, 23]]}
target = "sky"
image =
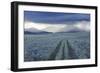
{"points": [[54, 17], [56, 21]]}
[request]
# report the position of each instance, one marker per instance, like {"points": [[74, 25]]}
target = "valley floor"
{"points": [[57, 46]]}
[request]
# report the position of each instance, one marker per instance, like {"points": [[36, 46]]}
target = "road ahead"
{"points": [[63, 51]]}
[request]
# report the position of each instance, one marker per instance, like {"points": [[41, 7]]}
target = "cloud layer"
{"points": [[78, 26], [54, 17]]}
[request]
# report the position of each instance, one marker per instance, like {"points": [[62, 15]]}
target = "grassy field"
{"points": [[56, 46]]}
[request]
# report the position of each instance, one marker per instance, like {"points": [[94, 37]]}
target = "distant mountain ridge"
{"points": [[28, 32], [47, 28]]}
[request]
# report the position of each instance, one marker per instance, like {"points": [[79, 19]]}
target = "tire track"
{"points": [[63, 51]]}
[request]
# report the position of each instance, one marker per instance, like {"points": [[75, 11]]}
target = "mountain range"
{"points": [[56, 28]]}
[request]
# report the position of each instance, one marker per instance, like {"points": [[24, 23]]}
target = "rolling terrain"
{"points": [[56, 46]]}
